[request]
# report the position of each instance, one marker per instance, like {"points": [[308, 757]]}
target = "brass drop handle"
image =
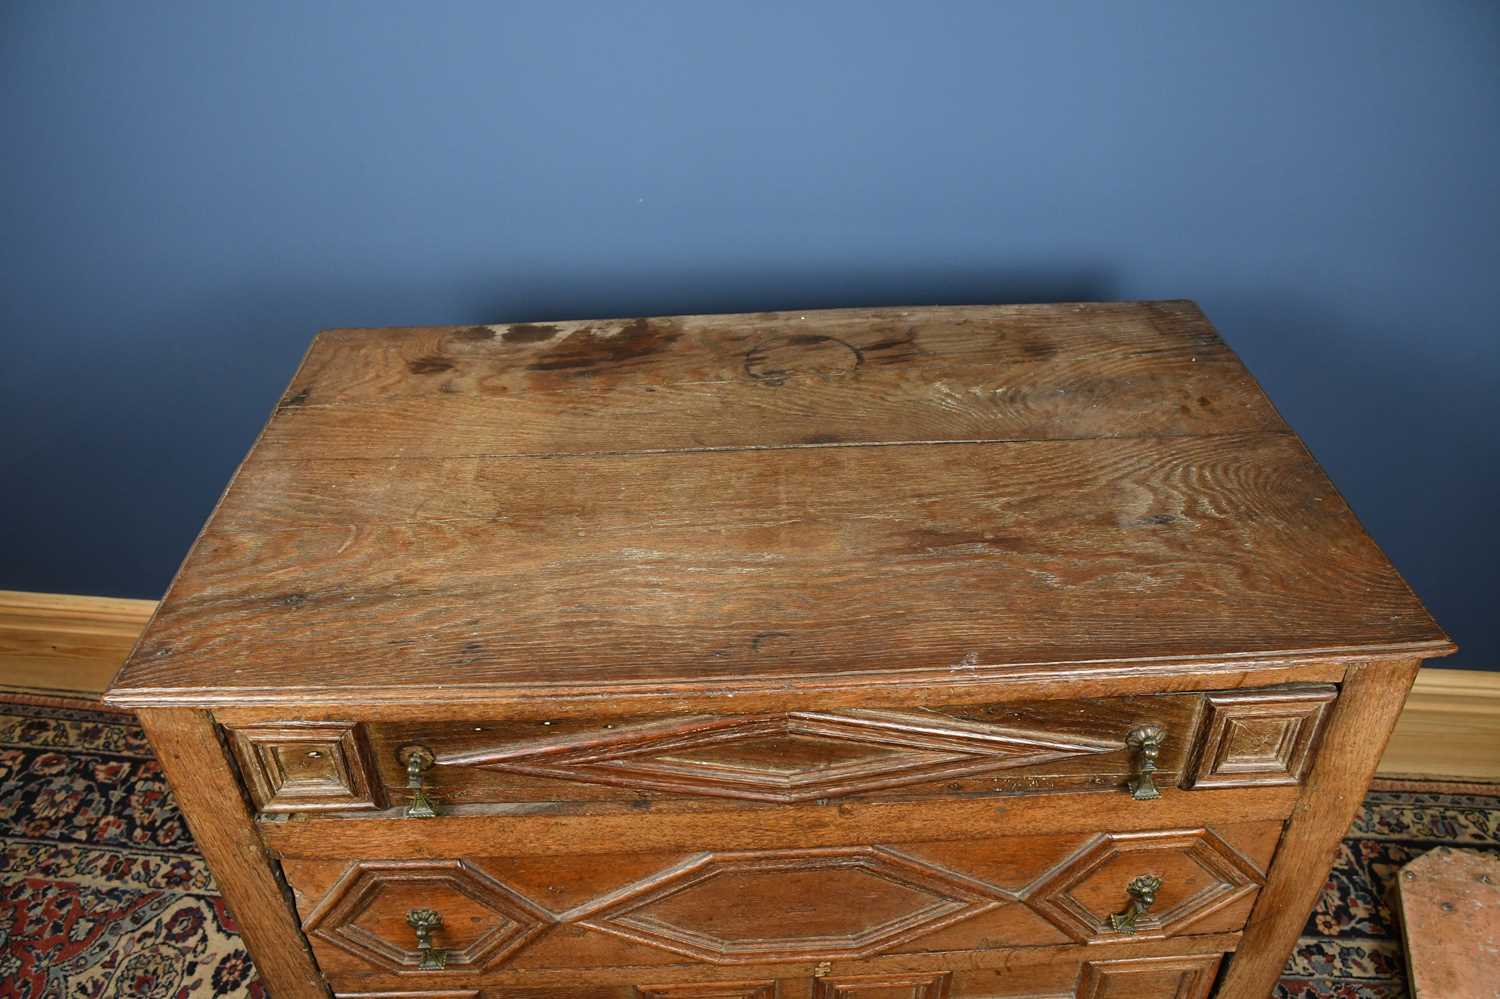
{"points": [[424, 921], [1145, 743], [1142, 892], [418, 759]]}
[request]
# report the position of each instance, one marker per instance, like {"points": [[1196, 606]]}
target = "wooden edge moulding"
{"points": [[66, 644]]}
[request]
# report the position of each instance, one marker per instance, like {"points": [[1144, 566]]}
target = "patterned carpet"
{"points": [[103, 895], [101, 890]]}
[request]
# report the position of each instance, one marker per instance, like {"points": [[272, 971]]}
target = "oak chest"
{"points": [[969, 652]]}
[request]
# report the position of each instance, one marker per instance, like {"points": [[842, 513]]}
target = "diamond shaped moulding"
{"points": [[785, 905], [1201, 874], [364, 914], [799, 756]]}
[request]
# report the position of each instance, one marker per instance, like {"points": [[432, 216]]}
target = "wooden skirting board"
{"points": [[63, 644], [58, 643], [1449, 728]]}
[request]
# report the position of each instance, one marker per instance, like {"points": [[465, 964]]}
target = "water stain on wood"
{"points": [[588, 352], [894, 350], [530, 333], [473, 334], [900, 349], [777, 360], [429, 365], [1037, 348]]}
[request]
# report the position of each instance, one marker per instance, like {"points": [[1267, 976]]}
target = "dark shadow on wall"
{"points": [[644, 291]]}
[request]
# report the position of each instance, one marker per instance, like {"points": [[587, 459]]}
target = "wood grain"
{"points": [[538, 830], [1260, 736], [720, 990], [1449, 905], [895, 689], [64, 643], [1355, 735], [792, 756], [648, 505], [921, 985], [854, 376], [305, 767], [772, 566], [1048, 972], [205, 787], [1450, 727], [1149, 978]]}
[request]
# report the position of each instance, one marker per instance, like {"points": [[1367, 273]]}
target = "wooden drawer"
{"points": [[1172, 976], [1228, 739], [793, 756], [504, 918]]}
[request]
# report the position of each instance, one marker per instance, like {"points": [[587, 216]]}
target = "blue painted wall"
{"points": [[189, 190]]}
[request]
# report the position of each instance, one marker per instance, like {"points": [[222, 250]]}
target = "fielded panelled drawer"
{"points": [[1217, 739], [502, 916], [995, 652]]}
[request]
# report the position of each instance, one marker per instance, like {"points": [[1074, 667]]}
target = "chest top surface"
{"points": [[705, 502]]}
